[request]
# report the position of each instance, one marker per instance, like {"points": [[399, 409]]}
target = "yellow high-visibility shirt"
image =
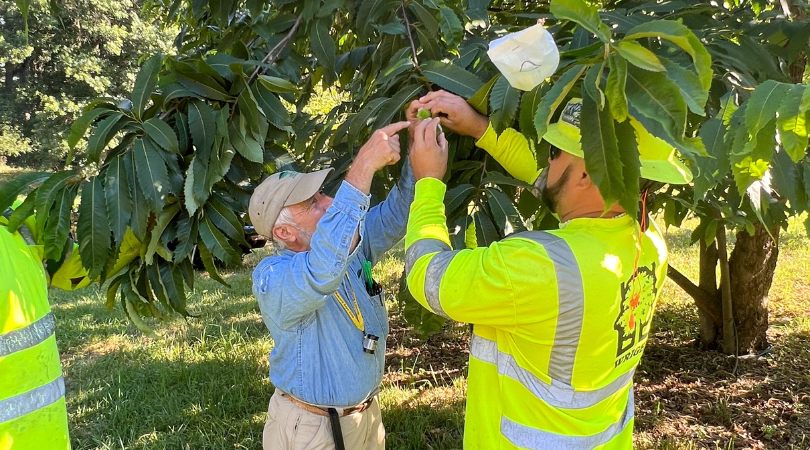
{"points": [[561, 320]]}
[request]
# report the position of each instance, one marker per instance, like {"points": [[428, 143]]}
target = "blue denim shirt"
{"points": [[318, 352]]}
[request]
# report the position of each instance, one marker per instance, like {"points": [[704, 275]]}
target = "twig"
{"points": [[410, 39], [703, 300], [275, 51]]}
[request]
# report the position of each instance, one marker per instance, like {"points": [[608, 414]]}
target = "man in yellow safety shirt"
{"points": [[560, 317], [32, 392]]}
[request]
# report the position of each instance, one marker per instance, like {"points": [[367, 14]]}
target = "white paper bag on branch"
{"points": [[525, 58]]}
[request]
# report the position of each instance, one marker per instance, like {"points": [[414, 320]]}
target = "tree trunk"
{"points": [[707, 281], [751, 266]]}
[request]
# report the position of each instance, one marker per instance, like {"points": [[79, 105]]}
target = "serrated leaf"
{"points": [[457, 197], [429, 45], [217, 243], [202, 127], [203, 85], [631, 167], [47, 193], [243, 142], [480, 100], [528, 107], [119, 201], [160, 132], [580, 12], [689, 84], [272, 107], [322, 45], [452, 29], [657, 98], [763, 104], [150, 169], [452, 78], [639, 56], [208, 262], [485, 231], [504, 102], [57, 225], [249, 109], [79, 128], [92, 229], [173, 91], [792, 122], [504, 212], [102, 133], [163, 220], [551, 101], [716, 166], [683, 37], [22, 213], [145, 83], [17, 185], [600, 146], [364, 117], [186, 236], [225, 219], [278, 85], [396, 104], [614, 90], [426, 18], [786, 180]]}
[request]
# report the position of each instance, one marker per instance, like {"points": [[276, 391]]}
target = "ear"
{"points": [[285, 233], [583, 180]]}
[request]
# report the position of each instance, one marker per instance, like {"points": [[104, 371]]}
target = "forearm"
{"points": [[385, 223], [511, 150]]}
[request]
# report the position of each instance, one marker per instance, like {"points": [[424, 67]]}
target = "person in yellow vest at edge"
{"points": [[560, 317], [33, 415]]}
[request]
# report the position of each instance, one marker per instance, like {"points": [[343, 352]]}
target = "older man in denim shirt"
{"points": [[316, 302]]}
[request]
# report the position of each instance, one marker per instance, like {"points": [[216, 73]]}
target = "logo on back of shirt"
{"points": [[635, 313]]}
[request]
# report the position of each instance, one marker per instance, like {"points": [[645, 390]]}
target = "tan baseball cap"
{"points": [[279, 190]]}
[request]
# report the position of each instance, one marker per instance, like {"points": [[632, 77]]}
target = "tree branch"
{"points": [[410, 38], [704, 301], [275, 51]]}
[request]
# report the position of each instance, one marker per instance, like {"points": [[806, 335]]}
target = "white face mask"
{"points": [[525, 58]]}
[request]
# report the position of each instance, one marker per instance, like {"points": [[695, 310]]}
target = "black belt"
{"points": [[337, 433]]}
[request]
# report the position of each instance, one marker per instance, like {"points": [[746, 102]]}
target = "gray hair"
{"points": [[285, 217]]}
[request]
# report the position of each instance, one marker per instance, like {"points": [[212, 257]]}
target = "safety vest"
{"points": [[33, 414], [561, 320]]}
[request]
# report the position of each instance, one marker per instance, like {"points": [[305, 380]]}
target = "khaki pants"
{"points": [[289, 427]]}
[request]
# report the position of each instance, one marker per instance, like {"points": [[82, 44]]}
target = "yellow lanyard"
{"points": [[356, 318]]}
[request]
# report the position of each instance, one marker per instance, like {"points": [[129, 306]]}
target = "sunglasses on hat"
{"points": [[553, 153]]}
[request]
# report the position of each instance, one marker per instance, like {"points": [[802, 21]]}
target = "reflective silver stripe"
{"points": [[28, 402], [433, 279], [421, 248], [556, 394], [27, 337], [571, 303], [535, 439]]}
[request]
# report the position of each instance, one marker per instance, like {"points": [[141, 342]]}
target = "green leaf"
{"points": [[452, 29], [17, 185], [480, 100], [365, 117], [453, 78], [153, 178], [162, 222], [218, 166], [249, 109], [504, 102], [591, 84], [47, 194], [631, 167], [80, 125], [555, 96], [92, 229], [689, 84], [275, 84], [272, 107], [600, 146], [160, 132], [202, 127], [683, 37], [396, 104], [657, 98], [225, 219], [786, 180], [140, 208], [173, 91], [57, 226], [239, 137], [217, 242], [145, 83], [426, 19], [203, 85], [503, 180], [504, 212], [457, 197], [322, 45], [583, 14], [763, 105], [171, 282], [186, 236], [616, 81], [22, 213], [485, 231], [430, 46], [119, 202], [792, 121], [716, 165], [639, 56], [102, 134], [208, 262]]}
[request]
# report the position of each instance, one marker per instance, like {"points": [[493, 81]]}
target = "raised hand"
{"points": [[381, 149], [428, 155], [455, 113]]}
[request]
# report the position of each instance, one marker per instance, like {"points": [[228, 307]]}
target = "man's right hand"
{"points": [[456, 114], [382, 149], [428, 155]]}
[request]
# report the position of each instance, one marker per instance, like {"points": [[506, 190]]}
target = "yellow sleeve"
{"points": [[511, 150], [472, 285]]}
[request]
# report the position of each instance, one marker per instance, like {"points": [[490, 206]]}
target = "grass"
{"points": [[204, 384]]}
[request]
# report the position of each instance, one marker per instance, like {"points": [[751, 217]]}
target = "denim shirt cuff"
{"points": [[350, 201]]}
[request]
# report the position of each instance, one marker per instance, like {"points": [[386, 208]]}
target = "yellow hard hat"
{"points": [[659, 160]]}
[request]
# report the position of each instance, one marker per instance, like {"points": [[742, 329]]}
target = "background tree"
{"points": [[65, 55], [172, 169]]}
